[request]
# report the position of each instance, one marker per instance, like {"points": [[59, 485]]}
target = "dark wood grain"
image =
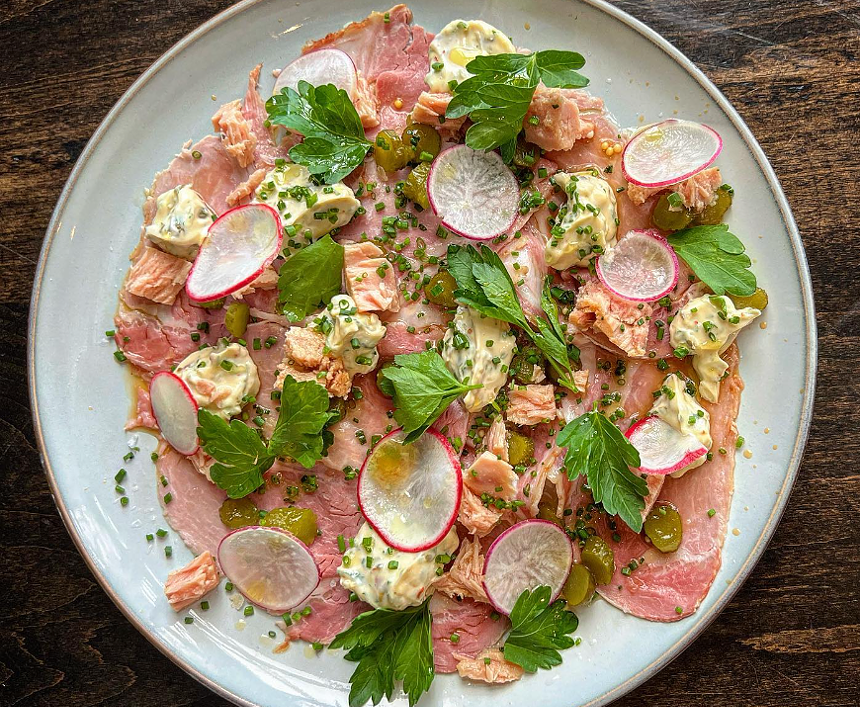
{"points": [[792, 634]]}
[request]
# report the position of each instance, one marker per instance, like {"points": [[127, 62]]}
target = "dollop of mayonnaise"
{"points": [[677, 407], [350, 335], [308, 210], [222, 378], [456, 45], [181, 222], [478, 350], [394, 580], [586, 225], [705, 327]]}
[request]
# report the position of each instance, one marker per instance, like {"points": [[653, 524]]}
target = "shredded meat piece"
{"points": [[465, 578], [157, 276], [491, 475], [475, 516], [304, 360], [489, 666], [553, 120], [430, 108], [191, 583], [616, 318], [371, 291], [366, 102], [697, 193], [496, 439], [531, 404], [246, 188], [236, 133]]}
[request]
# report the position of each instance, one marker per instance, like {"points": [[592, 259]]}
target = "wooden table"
{"points": [[792, 634]]}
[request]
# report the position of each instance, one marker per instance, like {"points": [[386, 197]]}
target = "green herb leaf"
{"points": [[539, 630], [310, 278], [389, 646], [241, 457], [303, 416], [484, 284], [557, 68], [498, 94], [334, 143], [599, 451], [422, 388], [717, 257]]}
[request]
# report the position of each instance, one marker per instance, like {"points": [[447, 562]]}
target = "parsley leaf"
{"points": [[334, 143], [303, 416], [389, 646], [242, 457], [498, 94], [599, 451], [539, 630], [484, 284], [717, 257], [422, 388], [310, 278]]}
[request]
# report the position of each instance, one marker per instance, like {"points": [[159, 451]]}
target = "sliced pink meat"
{"points": [[472, 623], [194, 501], [157, 337], [254, 111], [668, 587], [454, 422], [364, 418], [391, 54], [207, 167], [331, 613], [267, 359], [143, 415]]}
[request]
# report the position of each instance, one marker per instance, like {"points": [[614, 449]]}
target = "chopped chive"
{"points": [[150, 537], [249, 610], [204, 606], [189, 619], [168, 551], [161, 532], [228, 587], [120, 475], [123, 501], [168, 497]]}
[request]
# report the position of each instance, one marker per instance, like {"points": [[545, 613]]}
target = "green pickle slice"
{"points": [[664, 528], [301, 522], [579, 586], [599, 558]]}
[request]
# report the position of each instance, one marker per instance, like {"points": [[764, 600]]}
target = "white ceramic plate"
{"points": [[79, 395]]}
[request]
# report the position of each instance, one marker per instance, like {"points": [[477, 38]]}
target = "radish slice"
{"points": [[669, 152], [473, 192], [526, 556], [662, 449], [271, 567], [175, 411], [240, 245], [317, 68], [642, 267], [410, 493]]}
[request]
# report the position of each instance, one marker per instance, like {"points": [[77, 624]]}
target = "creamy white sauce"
{"points": [[586, 225], [350, 335], [706, 326], [395, 580], [677, 407], [181, 222], [308, 209], [478, 350], [221, 378], [456, 45]]}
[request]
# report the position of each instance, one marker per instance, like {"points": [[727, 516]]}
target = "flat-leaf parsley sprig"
{"points": [[389, 646], [242, 457], [498, 94], [334, 141], [539, 630]]}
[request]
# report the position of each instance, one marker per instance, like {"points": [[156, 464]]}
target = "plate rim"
{"points": [[752, 559]]}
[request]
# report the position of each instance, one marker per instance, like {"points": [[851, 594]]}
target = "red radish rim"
{"points": [[187, 391], [458, 474], [315, 51], [652, 233], [275, 530], [433, 166], [492, 547], [691, 456], [248, 280], [670, 182]]}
